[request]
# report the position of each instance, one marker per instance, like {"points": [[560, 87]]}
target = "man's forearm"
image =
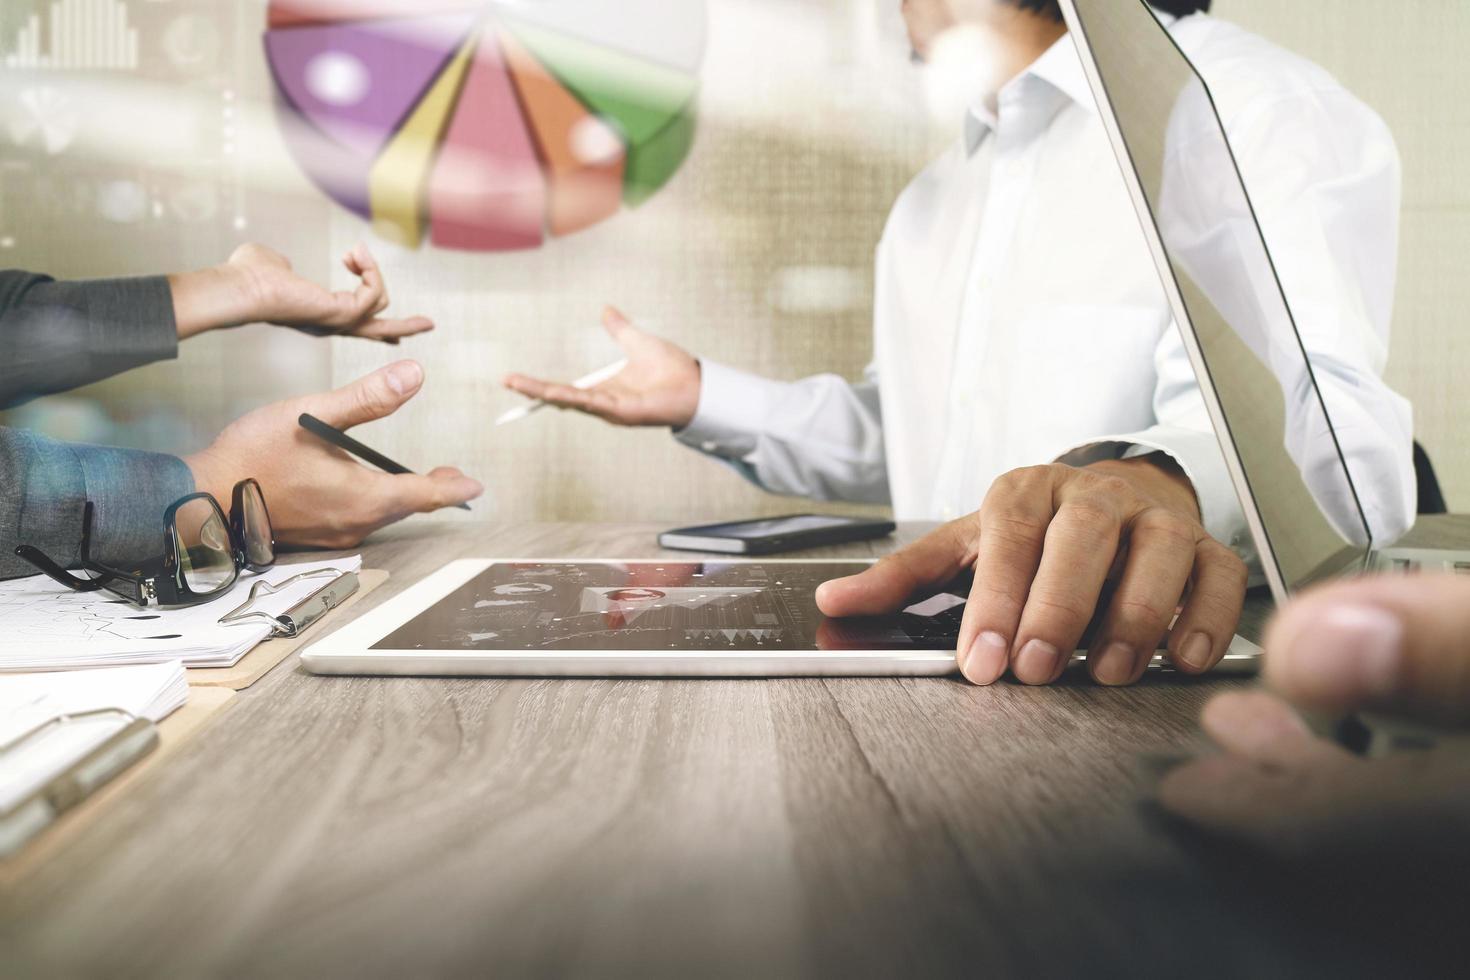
{"points": [[61, 335], [46, 484]]}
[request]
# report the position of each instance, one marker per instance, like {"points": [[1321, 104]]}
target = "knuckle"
{"points": [[1086, 512], [1020, 480], [993, 600], [1167, 525], [1012, 528], [373, 399], [1225, 562], [1067, 607], [1141, 610], [1110, 486]]}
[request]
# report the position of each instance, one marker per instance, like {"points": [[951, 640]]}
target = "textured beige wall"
{"points": [[1407, 61]]}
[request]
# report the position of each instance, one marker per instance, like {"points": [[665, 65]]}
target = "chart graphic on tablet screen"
{"points": [[486, 125]]}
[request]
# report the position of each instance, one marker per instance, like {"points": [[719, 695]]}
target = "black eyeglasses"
{"points": [[202, 557]]}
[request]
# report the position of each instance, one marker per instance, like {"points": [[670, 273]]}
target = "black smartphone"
{"points": [[768, 535]]}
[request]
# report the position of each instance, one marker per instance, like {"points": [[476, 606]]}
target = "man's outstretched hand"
{"points": [[659, 386], [1045, 547], [318, 495], [258, 285]]}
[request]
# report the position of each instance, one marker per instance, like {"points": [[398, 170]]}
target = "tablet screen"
{"points": [[715, 606]]}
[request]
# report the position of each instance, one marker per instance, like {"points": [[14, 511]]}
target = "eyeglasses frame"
{"points": [[160, 581]]}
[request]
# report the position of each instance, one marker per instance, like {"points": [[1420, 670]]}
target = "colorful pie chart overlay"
{"points": [[486, 125]]}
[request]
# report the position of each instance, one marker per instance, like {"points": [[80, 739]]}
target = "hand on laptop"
{"points": [[1395, 645], [660, 385], [258, 285], [317, 494], [1053, 544]]}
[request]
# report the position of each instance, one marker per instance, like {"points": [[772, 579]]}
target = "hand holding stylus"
{"points": [[318, 495]]}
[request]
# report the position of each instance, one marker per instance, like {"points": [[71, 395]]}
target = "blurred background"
{"points": [[153, 146]]}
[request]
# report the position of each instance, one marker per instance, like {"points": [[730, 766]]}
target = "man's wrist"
{"points": [[686, 412], [211, 475], [212, 299], [1158, 476]]}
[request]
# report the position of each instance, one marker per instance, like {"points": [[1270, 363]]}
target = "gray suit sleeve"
{"points": [[44, 485], [60, 335]]}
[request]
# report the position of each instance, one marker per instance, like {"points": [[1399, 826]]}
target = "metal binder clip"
{"points": [[300, 616], [28, 816]]}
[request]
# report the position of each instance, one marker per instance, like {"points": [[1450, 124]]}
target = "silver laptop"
{"points": [[1301, 503]]}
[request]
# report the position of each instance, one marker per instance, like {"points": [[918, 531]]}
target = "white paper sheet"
{"points": [[44, 626], [151, 691]]}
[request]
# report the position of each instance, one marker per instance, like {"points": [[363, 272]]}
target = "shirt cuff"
{"points": [[129, 490], [733, 408], [1198, 455]]}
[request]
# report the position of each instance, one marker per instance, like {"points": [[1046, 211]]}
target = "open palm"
{"points": [[659, 385]]}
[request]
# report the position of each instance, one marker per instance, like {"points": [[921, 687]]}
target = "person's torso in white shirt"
{"points": [[1018, 312], [1019, 319]]}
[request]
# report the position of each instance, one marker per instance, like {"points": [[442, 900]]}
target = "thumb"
{"points": [[934, 559], [376, 396], [620, 328], [1391, 644]]}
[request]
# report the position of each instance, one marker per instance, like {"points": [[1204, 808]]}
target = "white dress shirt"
{"points": [[1019, 318]]}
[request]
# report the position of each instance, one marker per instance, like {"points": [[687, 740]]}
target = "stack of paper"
{"points": [[44, 626], [152, 691], [45, 733]]}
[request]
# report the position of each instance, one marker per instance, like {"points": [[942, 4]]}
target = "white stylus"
{"points": [[590, 381]]}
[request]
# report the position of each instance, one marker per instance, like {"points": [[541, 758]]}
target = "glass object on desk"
{"points": [[203, 554]]}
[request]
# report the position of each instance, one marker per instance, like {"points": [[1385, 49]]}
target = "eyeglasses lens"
{"points": [[260, 549], [204, 545]]}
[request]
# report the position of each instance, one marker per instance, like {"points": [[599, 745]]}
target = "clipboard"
{"points": [[260, 661], [210, 690], [174, 731]]}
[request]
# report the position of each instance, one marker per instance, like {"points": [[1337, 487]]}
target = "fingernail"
{"points": [[1196, 650], [1038, 663], [1356, 649], [986, 659], [405, 377], [1115, 665]]}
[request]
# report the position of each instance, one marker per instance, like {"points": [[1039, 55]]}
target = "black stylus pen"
{"points": [[340, 439]]}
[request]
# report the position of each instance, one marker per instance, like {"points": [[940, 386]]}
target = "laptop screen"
{"points": [[1291, 470]]}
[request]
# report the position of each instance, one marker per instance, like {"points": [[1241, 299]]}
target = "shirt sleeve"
{"points": [[47, 483], [820, 437], [1324, 177], [61, 335]]}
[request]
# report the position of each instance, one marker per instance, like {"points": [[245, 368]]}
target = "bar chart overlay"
{"points": [[486, 125]]}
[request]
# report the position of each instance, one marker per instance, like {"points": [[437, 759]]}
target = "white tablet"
{"points": [[728, 618]]}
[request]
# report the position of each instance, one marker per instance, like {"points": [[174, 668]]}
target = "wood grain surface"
{"points": [[336, 826]]}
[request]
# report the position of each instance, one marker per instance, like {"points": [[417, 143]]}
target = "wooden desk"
{"points": [[424, 827]]}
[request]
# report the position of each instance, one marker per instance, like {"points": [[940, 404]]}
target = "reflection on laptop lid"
{"points": [[1283, 455]]}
